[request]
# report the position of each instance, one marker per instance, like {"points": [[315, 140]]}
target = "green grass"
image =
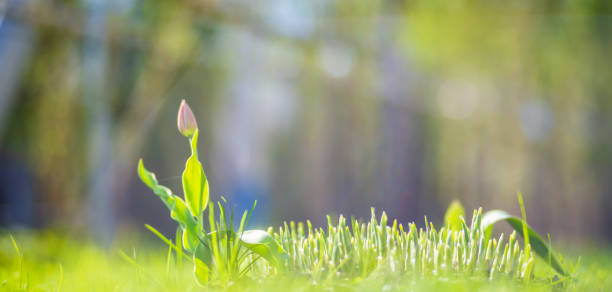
{"points": [[346, 253], [213, 250], [378, 247], [47, 261]]}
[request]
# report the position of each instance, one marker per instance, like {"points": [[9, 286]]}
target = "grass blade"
{"points": [[166, 240], [538, 245]]}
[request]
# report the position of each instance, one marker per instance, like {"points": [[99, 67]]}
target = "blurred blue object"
{"points": [[16, 193]]}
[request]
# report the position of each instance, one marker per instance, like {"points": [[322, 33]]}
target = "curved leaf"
{"points": [[538, 245], [263, 244], [149, 179], [181, 214], [178, 209], [195, 184]]}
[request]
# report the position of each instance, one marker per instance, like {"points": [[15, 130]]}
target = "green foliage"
{"points": [[454, 213], [361, 249], [54, 262], [178, 209], [263, 244], [538, 245], [223, 253], [175, 204], [195, 184], [202, 260], [372, 255]]}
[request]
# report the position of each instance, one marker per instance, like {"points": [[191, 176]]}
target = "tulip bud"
{"points": [[186, 121]]}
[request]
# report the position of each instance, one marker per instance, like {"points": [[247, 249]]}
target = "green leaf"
{"points": [[181, 214], [263, 244], [195, 184], [190, 239], [149, 179], [178, 249], [202, 260], [538, 245], [204, 253], [524, 221], [178, 209], [453, 215]]}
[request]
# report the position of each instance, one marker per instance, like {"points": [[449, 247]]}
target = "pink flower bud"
{"points": [[186, 121]]}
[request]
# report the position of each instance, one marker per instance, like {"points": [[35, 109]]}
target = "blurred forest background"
{"points": [[310, 107]]}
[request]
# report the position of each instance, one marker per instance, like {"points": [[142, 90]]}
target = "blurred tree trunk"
{"points": [[100, 154], [15, 47]]}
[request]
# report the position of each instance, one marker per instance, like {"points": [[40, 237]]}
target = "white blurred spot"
{"points": [[457, 99], [290, 17], [537, 119], [336, 60]]}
